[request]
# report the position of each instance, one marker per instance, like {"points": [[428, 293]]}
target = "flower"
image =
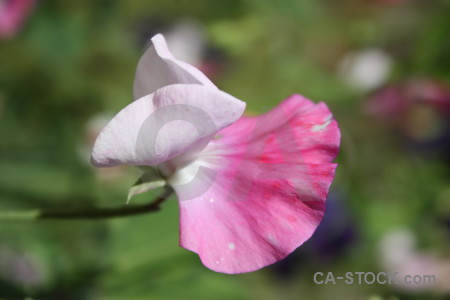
{"points": [[398, 100], [187, 41], [418, 109], [12, 14], [332, 240], [399, 254], [251, 189], [21, 269], [365, 70], [92, 129]]}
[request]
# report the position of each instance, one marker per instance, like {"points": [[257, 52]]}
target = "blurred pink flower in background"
{"points": [[13, 13], [251, 189], [397, 100], [419, 108]]}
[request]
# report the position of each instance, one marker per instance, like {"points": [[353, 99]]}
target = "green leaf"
{"points": [[149, 180]]}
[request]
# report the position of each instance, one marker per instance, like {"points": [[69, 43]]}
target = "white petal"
{"points": [[158, 68], [171, 121]]}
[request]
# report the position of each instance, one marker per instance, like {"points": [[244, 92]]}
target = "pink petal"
{"points": [[306, 131], [273, 174], [158, 68], [162, 125], [12, 14]]}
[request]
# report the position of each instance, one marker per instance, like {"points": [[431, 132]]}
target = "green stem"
{"points": [[87, 213]]}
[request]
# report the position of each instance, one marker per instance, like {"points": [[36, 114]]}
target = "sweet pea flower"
{"points": [[251, 189]]}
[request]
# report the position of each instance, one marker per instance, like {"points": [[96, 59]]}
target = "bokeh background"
{"points": [[382, 66]]}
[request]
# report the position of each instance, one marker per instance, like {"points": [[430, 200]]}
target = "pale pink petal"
{"points": [[272, 176], [158, 68], [162, 125]]}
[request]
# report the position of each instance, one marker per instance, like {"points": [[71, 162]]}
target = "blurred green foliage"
{"points": [[73, 61]]}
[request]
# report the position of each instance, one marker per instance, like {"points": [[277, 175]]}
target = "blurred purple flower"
{"points": [[12, 15], [337, 231]]}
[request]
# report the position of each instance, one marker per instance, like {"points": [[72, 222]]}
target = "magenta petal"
{"points": [[297, 131], [12, 14], [273, 174], [158, 68], [162, 125]]}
